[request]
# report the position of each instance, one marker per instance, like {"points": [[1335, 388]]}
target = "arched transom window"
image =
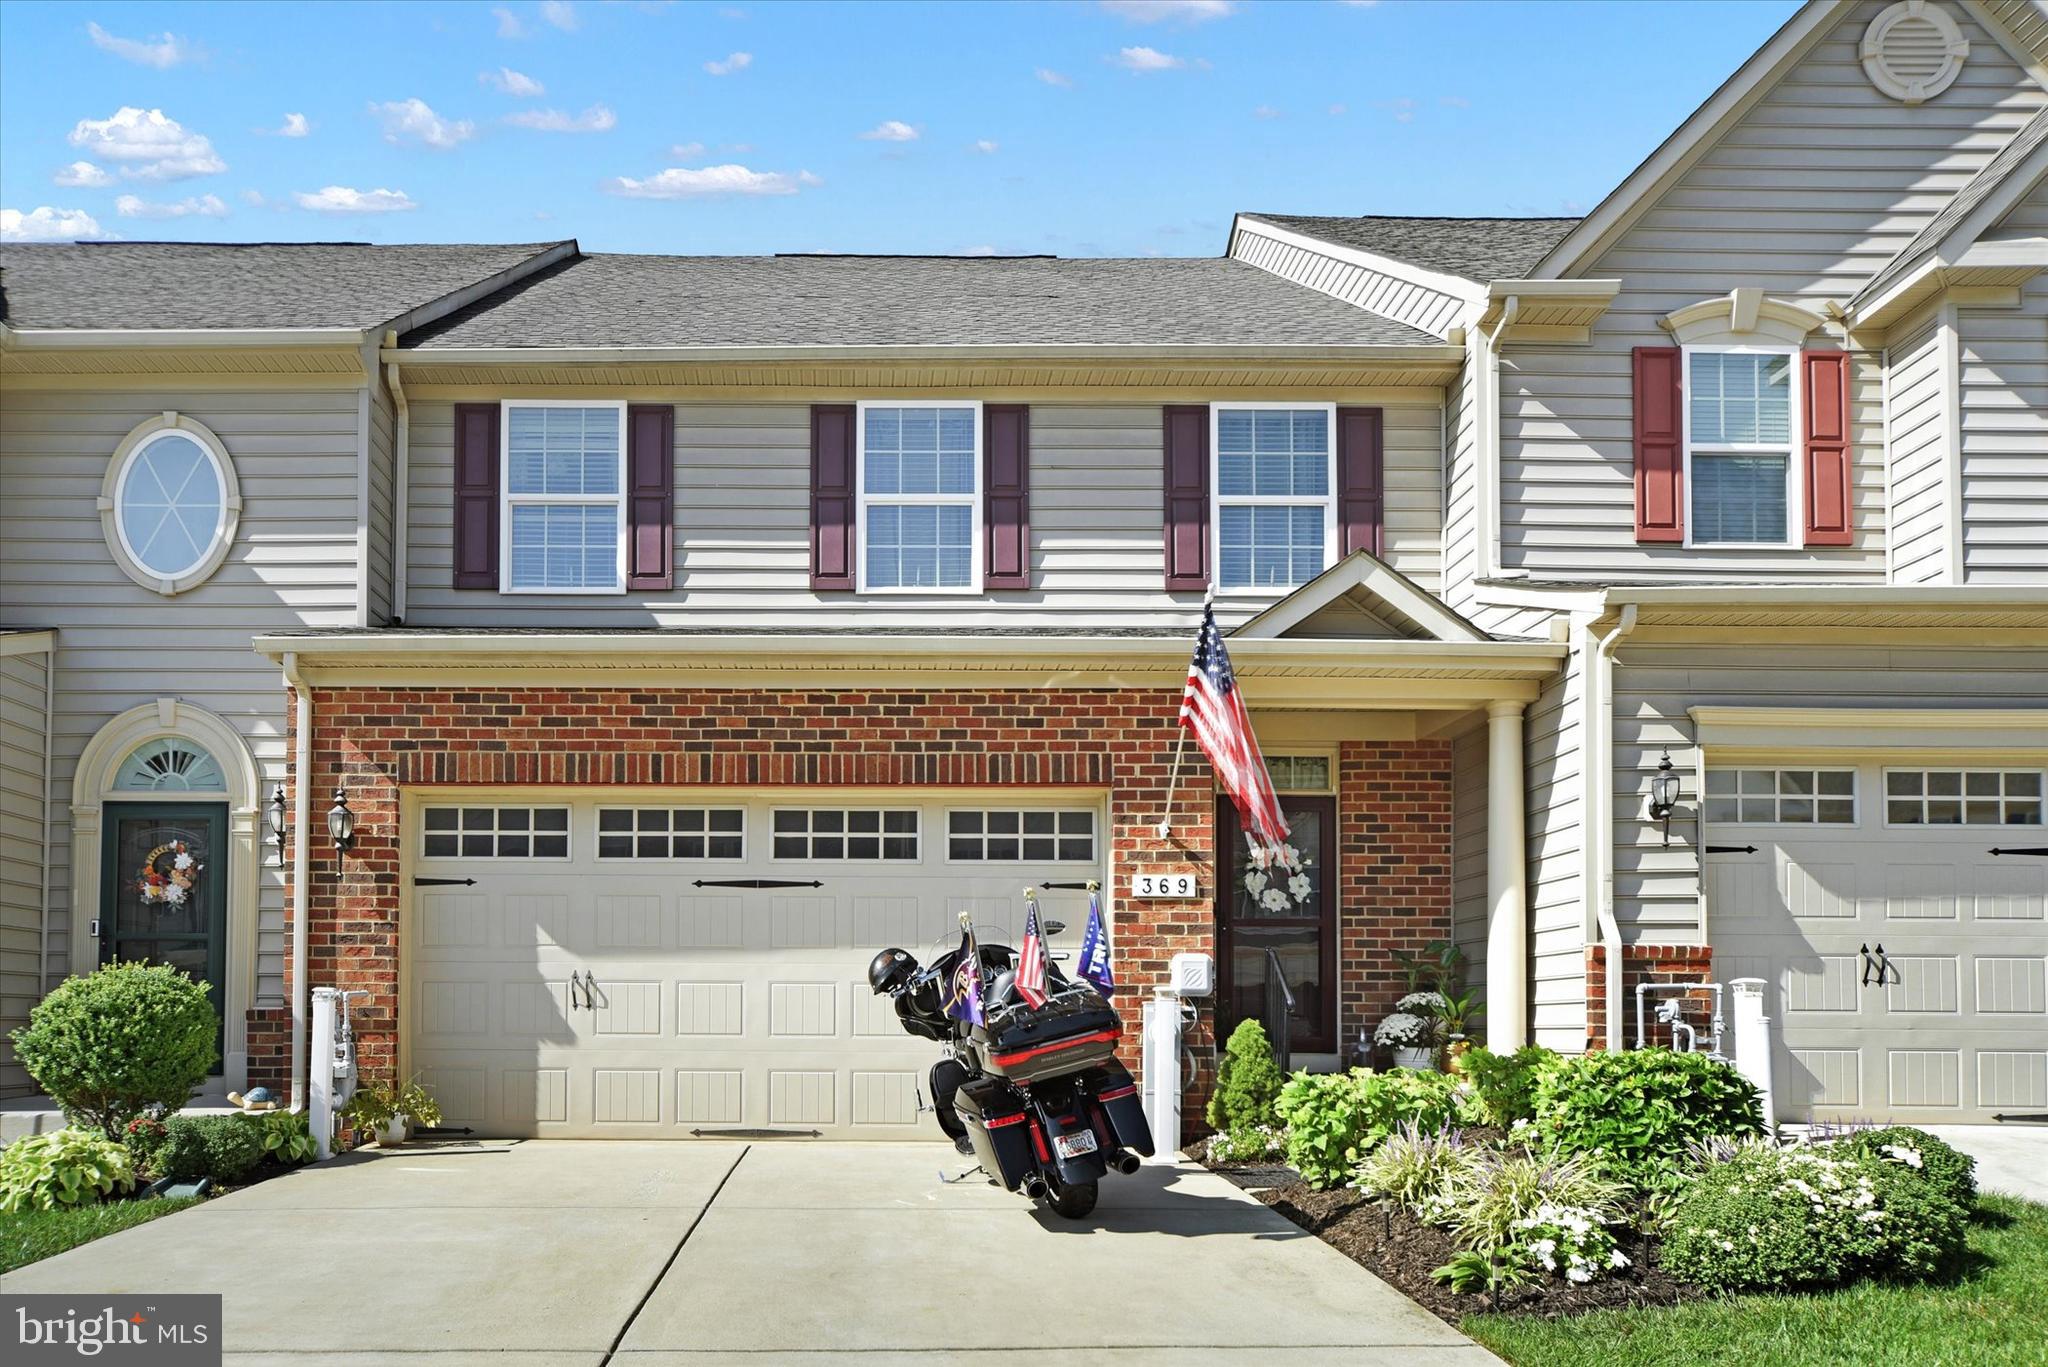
{"points": [[169, 765]]}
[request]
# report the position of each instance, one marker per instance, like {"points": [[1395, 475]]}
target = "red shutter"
{"points": [[832, 540], [1187, 496], [476, 496], [1826, 380], [1361, 480], [1006, 496], [650, 496], [1660, 467]]}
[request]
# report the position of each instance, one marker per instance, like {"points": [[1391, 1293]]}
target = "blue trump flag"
{"points": [[1095, 965], [963, 993]]}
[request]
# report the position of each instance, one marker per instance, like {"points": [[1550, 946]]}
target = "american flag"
{"points": [[1031, 961], [1213, 708]]}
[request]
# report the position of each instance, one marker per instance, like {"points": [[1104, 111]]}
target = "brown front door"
{"points": [[1300, 939]]}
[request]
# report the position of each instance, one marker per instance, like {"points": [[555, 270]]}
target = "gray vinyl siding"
{"points": [[1917, 433], [383, 446], [1809, 194], [1656, 888], [2004, 389], [1379, 292], [1461, 556], [1555, 836], [1468, 850], [293, 564], [742, 479], [24, 725]]}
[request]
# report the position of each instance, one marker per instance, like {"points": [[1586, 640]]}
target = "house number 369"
{"points": [[1162, 885]]}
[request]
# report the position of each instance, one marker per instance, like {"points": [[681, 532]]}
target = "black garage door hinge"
{"points": [[1730, 849], [444, 882], [757, 1134], [757, 883], [2039, 850]]}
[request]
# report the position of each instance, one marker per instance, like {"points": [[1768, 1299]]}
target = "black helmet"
{"points": [[889, 970]]}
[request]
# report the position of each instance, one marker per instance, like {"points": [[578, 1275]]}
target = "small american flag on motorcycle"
{"points": [[1213, 708], [1031, 960]]}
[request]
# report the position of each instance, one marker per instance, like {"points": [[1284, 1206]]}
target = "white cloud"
{"points": [[738, 61], [49, 225], [149, 145], [1402, 109], [1051, 77], [596, 119], [340, 199], [982, 249], [680, 183], [1454, 101], [414, 119], [253, 198], [891, 130], [511, 82], [195, 206], [560, 13], [1144, 59], [83, 175], [509, 24], [686, 151], [986, 146], [164, 51], [1265, 111], [294, 126], [1180, 11]]}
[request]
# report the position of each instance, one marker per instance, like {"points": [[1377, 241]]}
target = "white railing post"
{"points": [[320, 1075], [1753, 1042], [1161, 1063]]}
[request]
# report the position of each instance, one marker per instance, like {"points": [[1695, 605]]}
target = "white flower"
{"points": [[1290, 855], [1298, 885], [1255, 882], [1578, 1274], [184, 861], [1910, 1157], [174, 894], [1616, 1258], [1869, 1216], [1273, 900]]}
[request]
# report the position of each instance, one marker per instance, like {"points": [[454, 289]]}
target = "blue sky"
{"points": [[1131, 127]]}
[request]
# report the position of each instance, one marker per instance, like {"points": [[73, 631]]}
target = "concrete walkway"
{"points": [[647, 1254], [2012, 1159]]}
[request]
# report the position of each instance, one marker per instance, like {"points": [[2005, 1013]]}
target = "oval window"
{"points": [[171, 502]]}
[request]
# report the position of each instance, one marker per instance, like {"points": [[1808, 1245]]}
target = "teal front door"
{"points": [[163, 891]]}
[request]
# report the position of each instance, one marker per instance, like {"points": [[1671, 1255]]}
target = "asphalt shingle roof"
{"points": [[766, 301], [258, 285], [1478, 249]]}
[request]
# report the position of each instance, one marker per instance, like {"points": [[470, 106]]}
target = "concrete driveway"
{"points": [[671, 1253]]}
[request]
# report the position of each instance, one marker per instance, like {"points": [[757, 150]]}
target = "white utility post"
{"points": [[1162, 1074], [1507, 883], [1753, 1042]]}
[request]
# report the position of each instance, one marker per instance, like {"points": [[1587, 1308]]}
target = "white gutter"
{"points": [[417, 357], [49, 791], [302, 858], [84, 339], [400, 494], [1599, 789], [1488, 493]]}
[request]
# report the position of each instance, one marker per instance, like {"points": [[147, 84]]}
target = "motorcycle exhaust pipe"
{"points": [[1126, 1162], [1034, 1186]]}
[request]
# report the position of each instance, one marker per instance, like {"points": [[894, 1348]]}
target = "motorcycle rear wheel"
{"points": [[1071, 1201]]}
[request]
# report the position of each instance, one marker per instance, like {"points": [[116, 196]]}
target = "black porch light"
{"points": [[280, 827], [341, 822], [1663, 794]]}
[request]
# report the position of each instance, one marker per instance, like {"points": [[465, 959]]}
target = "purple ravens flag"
{"points": [[1094, 965], [963, 993]]}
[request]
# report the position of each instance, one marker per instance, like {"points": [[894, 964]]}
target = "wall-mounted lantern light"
{"points": [[341, 822], [280, 828], [1663, 794]]}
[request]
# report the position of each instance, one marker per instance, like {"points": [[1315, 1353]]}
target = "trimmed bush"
{"points": [[1504, 1085], [144, 1137], [1640, 1108], [67, 1167], [1949, 1171], [1923, 1228], [223, 1147], [1248, 1081], [1335, 1119], [112, 1044]]}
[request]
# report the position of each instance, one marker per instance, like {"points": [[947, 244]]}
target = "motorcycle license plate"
{"points": [[1075, 1144]]}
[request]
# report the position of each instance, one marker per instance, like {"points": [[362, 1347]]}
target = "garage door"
{"points": [[1910, 963], [681, 967]]}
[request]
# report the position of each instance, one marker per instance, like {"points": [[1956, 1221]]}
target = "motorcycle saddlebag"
{"points": [[1071, 1032], [999, 1128], [1117, 1095]]}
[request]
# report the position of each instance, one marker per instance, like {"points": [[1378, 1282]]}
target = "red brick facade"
{"points": [[1394, 874], [1645, 964]]}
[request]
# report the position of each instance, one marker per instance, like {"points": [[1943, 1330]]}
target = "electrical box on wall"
{"points": [[1192, 975]]}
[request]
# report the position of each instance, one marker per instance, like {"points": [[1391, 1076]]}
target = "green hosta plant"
{"points": [[1335, 1119], [67, 1167], [286, 1138], [1639, 1109], [1472, 1271], [113, 1044]]}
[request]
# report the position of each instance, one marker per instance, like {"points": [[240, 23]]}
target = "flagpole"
{"points": [[1181, 745]]}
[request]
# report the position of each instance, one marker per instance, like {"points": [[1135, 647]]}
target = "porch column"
{"points": [[1507, 926]]}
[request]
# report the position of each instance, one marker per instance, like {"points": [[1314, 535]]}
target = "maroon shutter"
{"points": [[1361, 480], [650, 496], [1187, 496], [832, 540], [1826, 380], [1660, 468], [1006, 496], [476, 496]]}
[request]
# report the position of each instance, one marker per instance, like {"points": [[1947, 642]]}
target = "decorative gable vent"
{"points": [[1913, 51]]}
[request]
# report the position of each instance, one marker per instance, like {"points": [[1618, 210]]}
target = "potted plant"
{"points": [[1411, 1031], [387, 1113], [1453, 1018]]}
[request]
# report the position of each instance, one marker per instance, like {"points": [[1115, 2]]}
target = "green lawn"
{"points": [[1994, 1312], [32, 1235]]}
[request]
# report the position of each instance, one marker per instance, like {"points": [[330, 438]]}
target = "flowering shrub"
{"points": [[1248, 1144], [1498, 1188], [1952, 1173], [1572, 1240]]}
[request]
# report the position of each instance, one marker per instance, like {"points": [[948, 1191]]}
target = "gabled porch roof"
{"points": [[1361, 596]]}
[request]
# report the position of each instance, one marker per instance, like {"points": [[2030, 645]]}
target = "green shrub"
{"points": [[67, 1167], [286, 1137], [1639, 1109], [1488, 1196], [108, 1046], [1248, 1081], [144, 1137], [1247, 1144], [1504, 1085], [1949, 1171], [223, 1147], [1923, 1227], [1335, 1119]]}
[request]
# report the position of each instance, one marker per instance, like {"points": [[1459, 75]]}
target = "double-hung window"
{"points": [[920, 496], [1740, 473], [1276, 512], [565, 516]]}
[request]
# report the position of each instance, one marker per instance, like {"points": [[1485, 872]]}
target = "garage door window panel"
{"points": [[1011, 836], [1963, 797], [856, 834], [495, 833], [712, 834], [1781, 797]]}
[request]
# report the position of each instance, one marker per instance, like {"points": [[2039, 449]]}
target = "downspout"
{"points": [[1600, 799], [1488, 476], [400, 478], [49, 791], [302, 823]]}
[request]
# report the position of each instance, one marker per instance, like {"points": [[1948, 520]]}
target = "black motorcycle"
{"points": [[1035, 1094]]}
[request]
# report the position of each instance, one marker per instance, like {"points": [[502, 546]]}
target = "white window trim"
{"points": [[1217, 499], [1795, 503], [860, 500], [568, 832], [140, 439], [1885, 777], [507, 500], [917, 832], [1777, 799], [598, 833], [1095, 835]]}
